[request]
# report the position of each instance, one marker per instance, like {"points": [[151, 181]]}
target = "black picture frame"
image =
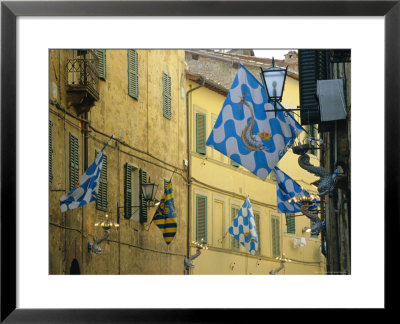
{"points": [[10, 10]]}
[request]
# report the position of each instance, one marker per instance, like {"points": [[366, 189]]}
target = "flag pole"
{"points": [[172, 174]]}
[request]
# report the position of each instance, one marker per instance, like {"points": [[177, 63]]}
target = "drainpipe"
{"points": [[189, 171]]}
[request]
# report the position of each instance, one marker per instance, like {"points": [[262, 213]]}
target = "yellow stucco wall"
{"points": [[225, 186], [146, 139]]}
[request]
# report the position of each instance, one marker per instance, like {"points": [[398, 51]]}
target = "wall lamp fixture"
{"points": [[199, 247], [148, 192], [106, 224]]}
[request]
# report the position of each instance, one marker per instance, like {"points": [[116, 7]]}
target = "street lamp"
{"points": [[148, 194], [274, 82]]}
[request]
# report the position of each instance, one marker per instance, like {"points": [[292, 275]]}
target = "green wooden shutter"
{"points": [[257, 219], [200, 133], [128, 191], [313, 66], [143, 205], [235, 164], [73, 161], [275, 237], [167, 108], [201, 218], [50, 153], [102, 202], [133, 74], [234, 243], [290, 223], [101, 63]]}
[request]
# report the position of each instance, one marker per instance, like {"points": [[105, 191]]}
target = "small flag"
{"points": [[243, 227], [247, 133], [86, 190], [286, 189], [165, 216]]}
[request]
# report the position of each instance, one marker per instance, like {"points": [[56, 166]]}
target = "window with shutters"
{"points": [[50, 153], [201, 219], [167, 98], [201, 133], [73, 161], [143, 204], [290, 223], [275, 237], [313, 131], [128, 184], [235, 245], [313, 66], [133, 74], [101, 63], [257, 219], [102, 202]]}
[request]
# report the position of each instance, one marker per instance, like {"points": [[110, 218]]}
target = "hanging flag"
{"points": [[86, 189], [165, 216], [243, 227], [287, 189], [247, 133]]}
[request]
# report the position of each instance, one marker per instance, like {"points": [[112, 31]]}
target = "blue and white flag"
{"points": [[86, 190], [247, 133], [243, 228], [287, 189]]}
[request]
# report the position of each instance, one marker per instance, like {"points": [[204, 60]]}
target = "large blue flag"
{"points": [[287, 189], [165, 216], [243, 227], [86, 190], [247, 133]]}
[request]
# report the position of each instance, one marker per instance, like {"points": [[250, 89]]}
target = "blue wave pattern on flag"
{"points": [[86, 190], [243, 228], [286, 189], [165, 216], [246, 133]]}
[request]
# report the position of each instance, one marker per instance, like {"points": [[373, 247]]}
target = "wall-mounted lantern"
{"points": [[273, 79], [107, 225]]}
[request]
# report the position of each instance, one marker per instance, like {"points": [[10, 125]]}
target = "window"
{"points": [[133, 74], [73, 160], [50, 153], [128, 181], [143, 204], [200, 133], [201, 219], [290, 223], [101, 63], [276, 249], [257, 219], [235, 245], [101, 202], [167, 108]]}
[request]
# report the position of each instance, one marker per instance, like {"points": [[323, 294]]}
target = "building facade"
{"points": [[219, 186], [137, 96], [325, 87]]}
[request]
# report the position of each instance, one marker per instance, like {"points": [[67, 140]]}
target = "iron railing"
{"points": [[82, 75]]}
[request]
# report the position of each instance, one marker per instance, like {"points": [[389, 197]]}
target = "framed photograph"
{"points": [[33, 33]]}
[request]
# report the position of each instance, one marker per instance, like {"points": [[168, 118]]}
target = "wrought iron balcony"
{"points": [[82, 81]]}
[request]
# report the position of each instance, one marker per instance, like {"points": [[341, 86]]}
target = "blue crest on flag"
{"points": [[247, 133], [243, 228], [286, 189], [87, 188]]}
